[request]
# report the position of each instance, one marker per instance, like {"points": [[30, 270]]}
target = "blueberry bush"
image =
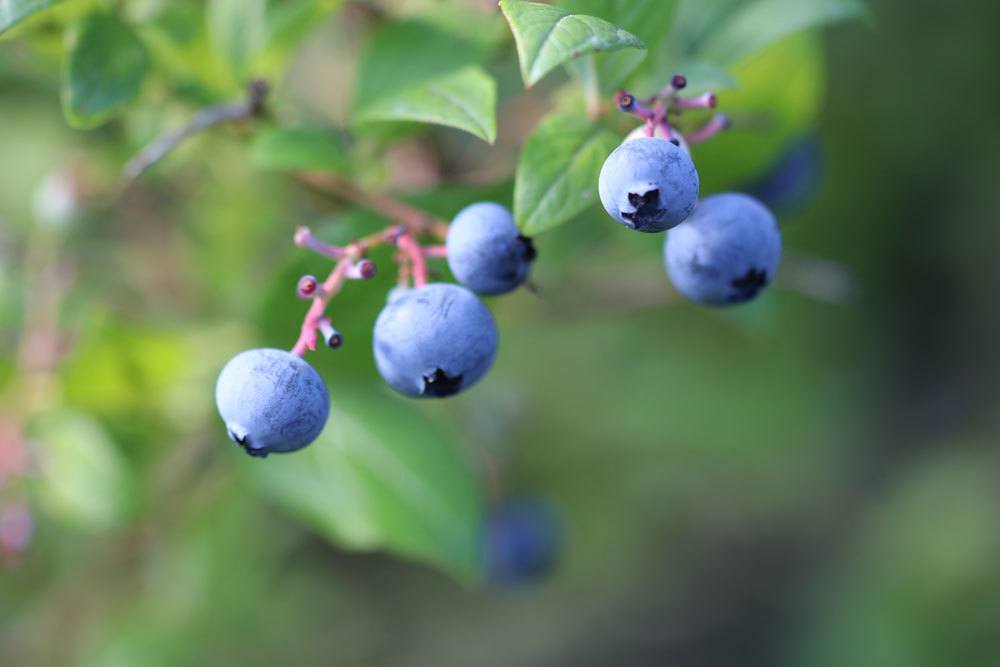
{"points": [[275, 227]]}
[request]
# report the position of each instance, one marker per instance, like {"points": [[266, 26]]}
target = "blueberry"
{"points": [[434, 341], [796, 177], [271, 401], [726, 252], [486, 251], [649, 185], [521, 542], [659, 133]]}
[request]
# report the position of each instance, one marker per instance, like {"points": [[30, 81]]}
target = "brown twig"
{"points": [[417, 221], [242, 110]]}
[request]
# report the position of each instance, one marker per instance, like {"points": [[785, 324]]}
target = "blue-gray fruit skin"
{"points": [[522, 542], [726, 252], [271, 401], [434, 341], [649, 185], [486, 251]]}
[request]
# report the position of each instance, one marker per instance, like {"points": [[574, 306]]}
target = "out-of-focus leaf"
{"points": [[708, 36], [465, 99], [757, 24], [780, 96], [118, 368], [244, 32], [105, 67], [557, 171], [83, 478], [238, 29], [649, 20], [884, 605], [13, 12], [299, 148], [381, 476], [547, 36]]}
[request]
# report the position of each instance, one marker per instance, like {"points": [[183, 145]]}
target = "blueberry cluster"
{"points": [[721, 250], [434, 339], [439, 339], [430, 341]]}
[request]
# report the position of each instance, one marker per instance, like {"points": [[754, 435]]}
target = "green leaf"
{"points": [[713, 36], [762, 22], [254, 36], [779, 97], [297, 149], [238, 29], [547, 36], [105, 66], [83, 478], [465, 99], [13, 12], [649, 20], [557, 171], [381, 476], [414, 71]]}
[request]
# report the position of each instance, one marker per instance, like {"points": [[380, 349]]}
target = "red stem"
{"points": [[713, 127], [435, 251], [332, 285], [416, 256]]}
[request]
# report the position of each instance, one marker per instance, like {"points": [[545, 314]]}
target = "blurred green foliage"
{"points": [[795, 482]]}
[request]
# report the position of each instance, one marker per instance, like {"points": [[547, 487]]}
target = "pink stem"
{"points": [[435, 251], [660, 120], [304, 239], [363, 270], [416, 256], [713, 127], [628, 103], [703, 101], [403, 276], [332, 285]]}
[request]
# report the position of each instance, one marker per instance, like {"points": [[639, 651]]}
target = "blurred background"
{"points": [[811, 479]]}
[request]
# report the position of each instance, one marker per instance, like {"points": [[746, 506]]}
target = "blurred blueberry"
{"points": [[726, 252], [522, 542], [796, 177]]}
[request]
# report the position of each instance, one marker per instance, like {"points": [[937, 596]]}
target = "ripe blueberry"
{"points": [[521, 542], [486, 251], [434, 341], [794, 179], [660, 133], [726, 252], [271, 401], [649, 185]]}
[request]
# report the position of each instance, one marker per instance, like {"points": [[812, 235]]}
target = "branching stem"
{"points": [[242, 110]]}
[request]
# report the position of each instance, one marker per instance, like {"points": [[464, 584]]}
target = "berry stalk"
{"points": [[352, 265], [417, 221]]}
